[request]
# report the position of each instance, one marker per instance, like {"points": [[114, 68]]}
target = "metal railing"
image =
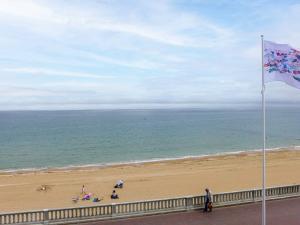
{"points": [[127, 209]]}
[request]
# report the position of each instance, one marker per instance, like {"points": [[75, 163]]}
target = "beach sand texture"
{"points": [[145, 181]]}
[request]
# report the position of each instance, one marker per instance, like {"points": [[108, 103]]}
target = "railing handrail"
{"points": [[257, 189]]}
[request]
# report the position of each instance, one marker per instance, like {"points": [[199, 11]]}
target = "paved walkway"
{"points": [[279, 212]]}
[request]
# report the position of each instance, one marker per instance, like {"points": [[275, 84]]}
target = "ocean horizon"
{"points": [[35, 140]]}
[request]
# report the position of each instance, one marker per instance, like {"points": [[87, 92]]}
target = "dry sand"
{"points": [[163, 179]]}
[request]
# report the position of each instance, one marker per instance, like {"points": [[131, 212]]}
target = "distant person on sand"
{"points": [[114, 195], [83, 190], [208, 201], [119, 184]]}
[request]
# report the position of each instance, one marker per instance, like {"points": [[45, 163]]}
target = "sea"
{"points": [[36, 140]]}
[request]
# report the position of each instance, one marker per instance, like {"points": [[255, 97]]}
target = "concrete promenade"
{"points": [[279, 212]]}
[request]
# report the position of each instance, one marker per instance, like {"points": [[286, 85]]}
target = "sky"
{"points": [[71, 54]]}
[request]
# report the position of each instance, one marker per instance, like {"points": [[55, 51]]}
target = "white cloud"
{"points": [[141, 63], [25, 9], [144, 52], [49, 72], [167, 26]]}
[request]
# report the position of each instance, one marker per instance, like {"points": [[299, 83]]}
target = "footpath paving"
{"points": [[279, 212]]}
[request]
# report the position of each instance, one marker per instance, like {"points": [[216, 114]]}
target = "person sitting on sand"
{"points": [[114, 195], [75, 199], [96, 200], [87, 196], [119, 184]]}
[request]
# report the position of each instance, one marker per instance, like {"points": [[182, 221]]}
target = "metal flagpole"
{"points": [[264, 135]]}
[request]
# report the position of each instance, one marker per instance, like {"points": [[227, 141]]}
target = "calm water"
{"points": [[36, 139]]}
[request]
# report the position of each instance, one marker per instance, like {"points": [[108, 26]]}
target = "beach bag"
{"points": [[210, 206]]}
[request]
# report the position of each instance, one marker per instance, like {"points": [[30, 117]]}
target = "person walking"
{"points": [[208, 201], [83, 190]]}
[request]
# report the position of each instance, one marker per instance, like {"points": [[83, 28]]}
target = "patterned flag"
{"points": [[281, 63]]}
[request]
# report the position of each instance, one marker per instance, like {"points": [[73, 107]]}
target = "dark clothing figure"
{"points": [[208, 201], [114, 195]]}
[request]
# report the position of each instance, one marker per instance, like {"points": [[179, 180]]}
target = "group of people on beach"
{"points": [[120, 183], [87, 196]]}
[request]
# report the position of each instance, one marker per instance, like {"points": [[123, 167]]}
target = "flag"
{"points": [[281, 63]]}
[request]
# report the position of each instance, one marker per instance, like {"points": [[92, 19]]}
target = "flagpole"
{"points": [[264, 135]]}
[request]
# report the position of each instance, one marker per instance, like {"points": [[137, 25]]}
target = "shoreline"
{"points": [[136, 162]]}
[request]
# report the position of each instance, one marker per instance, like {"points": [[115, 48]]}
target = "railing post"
{"points": [[113, 210], [46, 216], [188, 202]]}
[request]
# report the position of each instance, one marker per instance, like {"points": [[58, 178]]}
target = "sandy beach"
{"points": [[152, 180]]}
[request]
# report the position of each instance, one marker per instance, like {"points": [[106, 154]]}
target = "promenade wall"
{"points": [[139, 208]]}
